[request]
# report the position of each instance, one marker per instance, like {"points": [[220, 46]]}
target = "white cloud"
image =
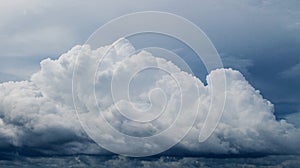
{"points": [[39, 113]]}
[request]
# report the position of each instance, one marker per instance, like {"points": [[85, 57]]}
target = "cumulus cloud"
{"points": [[39, 113], [248, 123]]}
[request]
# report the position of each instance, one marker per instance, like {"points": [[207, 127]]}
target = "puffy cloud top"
{"points": [[39, 113]]}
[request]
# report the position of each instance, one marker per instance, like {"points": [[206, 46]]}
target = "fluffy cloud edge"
{"points": [[39, 114]]}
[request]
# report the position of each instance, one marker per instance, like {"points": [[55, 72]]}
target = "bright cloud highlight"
{"points": [[39, 113]]}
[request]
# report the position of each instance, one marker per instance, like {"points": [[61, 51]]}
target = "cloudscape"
{"points": [[64, 102], [40, 111]]}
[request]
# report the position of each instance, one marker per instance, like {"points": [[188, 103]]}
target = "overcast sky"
{"points": [[261, 38]]}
